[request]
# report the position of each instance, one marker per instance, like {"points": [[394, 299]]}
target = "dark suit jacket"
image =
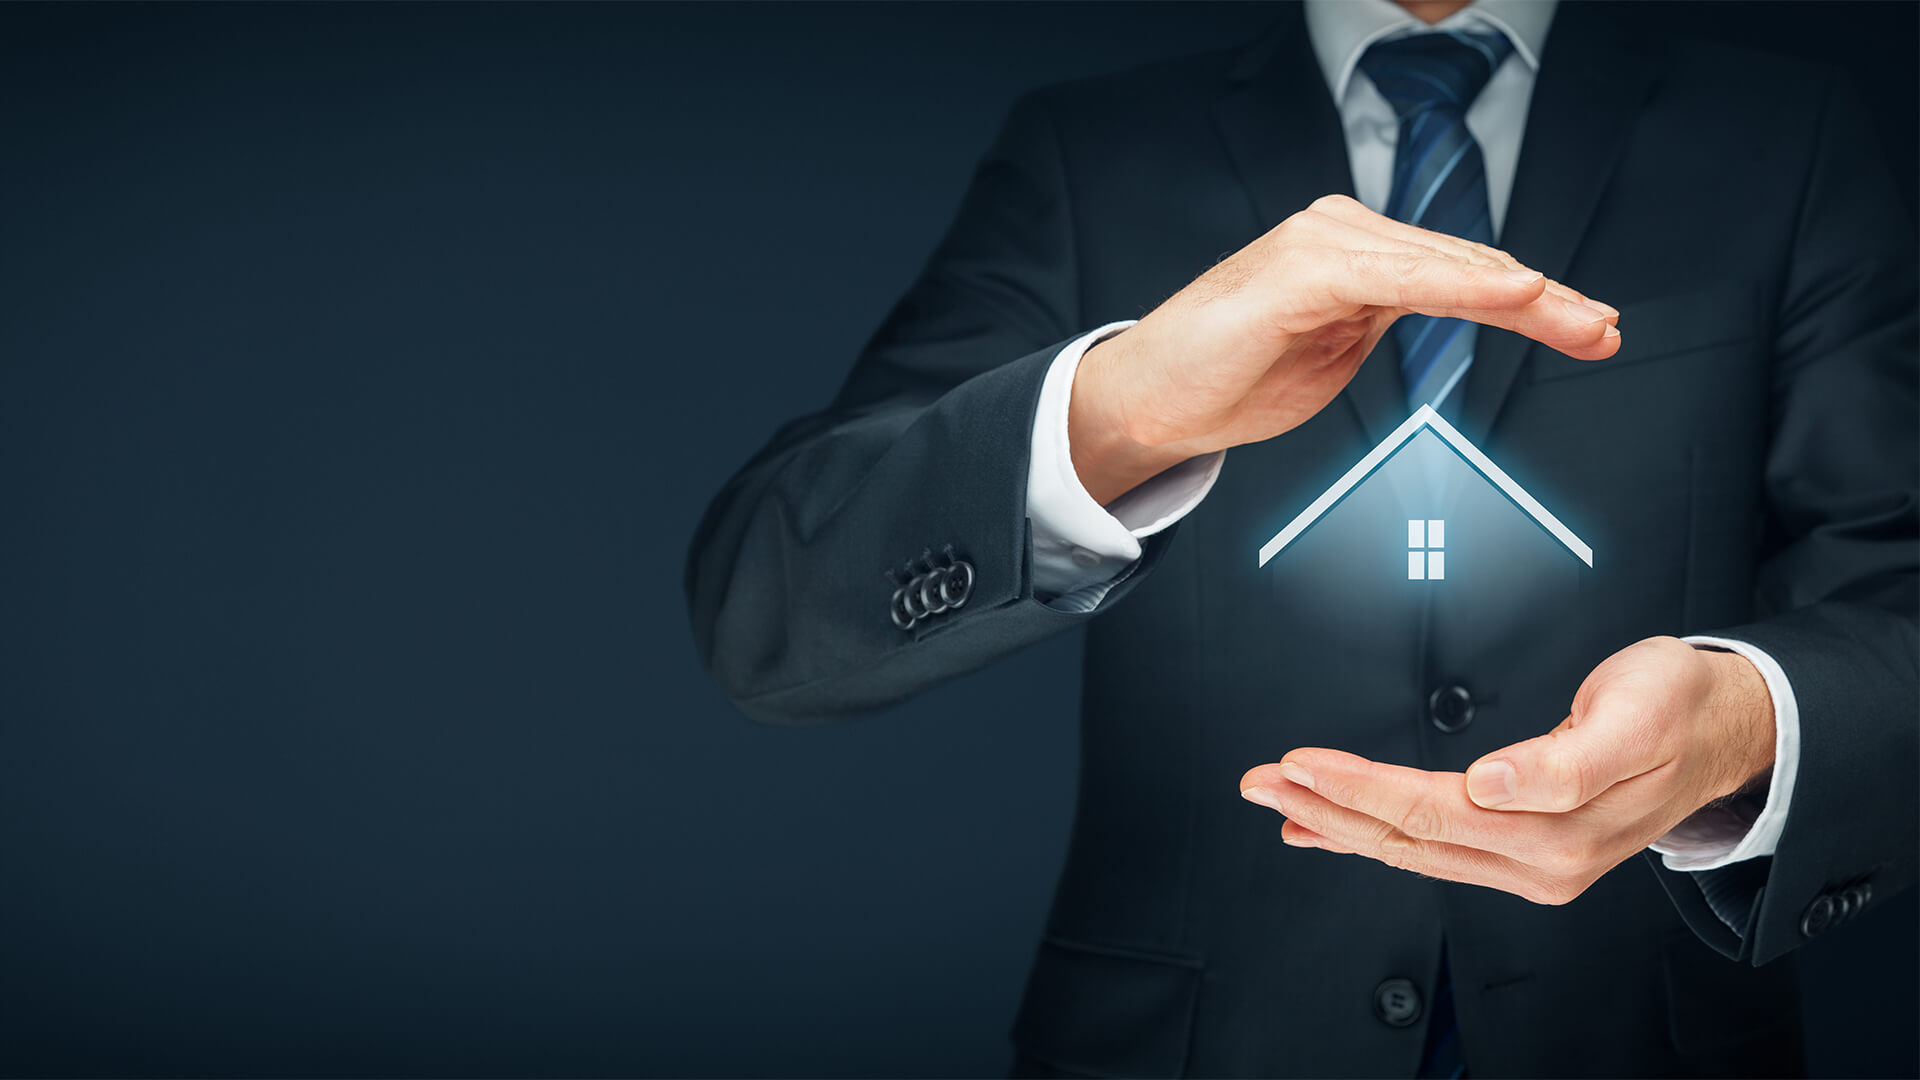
{"points": [[1744, 466]]}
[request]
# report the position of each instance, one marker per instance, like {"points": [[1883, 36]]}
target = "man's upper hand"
{"points": [[1659, 730], [1261, 342]]}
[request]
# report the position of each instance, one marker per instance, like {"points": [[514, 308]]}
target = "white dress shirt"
{"points": [[1081, 549]]}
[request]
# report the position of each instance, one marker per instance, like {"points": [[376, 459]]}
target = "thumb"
{"points": [[1559, 771]]}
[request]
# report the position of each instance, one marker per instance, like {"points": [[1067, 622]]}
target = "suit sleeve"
{"points": [[920, 461], [1837, 585]]}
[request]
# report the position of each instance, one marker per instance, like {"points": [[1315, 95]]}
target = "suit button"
{"points": [[1397, 1002], [957, 583], [902, 617], [929, 591], [1819, 915], [1450, 708], [1856, 897]]}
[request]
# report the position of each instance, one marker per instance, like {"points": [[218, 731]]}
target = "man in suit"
{"points": [[1408, 186]]}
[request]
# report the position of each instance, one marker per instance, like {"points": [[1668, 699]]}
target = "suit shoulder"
{"points": [[1731, 92]]}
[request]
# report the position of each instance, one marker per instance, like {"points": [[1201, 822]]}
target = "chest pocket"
{"points": [[1667, 329]]}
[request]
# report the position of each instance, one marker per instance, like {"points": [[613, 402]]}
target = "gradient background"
{"points": [[363, 371]]}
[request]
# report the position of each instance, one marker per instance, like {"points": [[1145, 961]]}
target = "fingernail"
{"points": [[1612, 312], [1297, 773], [1299, 841], [1492, 783], [1611, 333], [1584, 313], [1266, 797], [1525, 277]]}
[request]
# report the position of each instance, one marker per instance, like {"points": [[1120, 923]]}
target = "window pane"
{"points": [[1436, 565], [1436, 534], [1416, 565], [1416, 534]]}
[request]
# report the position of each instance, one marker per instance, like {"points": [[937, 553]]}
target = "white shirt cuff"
{"points": [[1080, 548], [1741, 829]]}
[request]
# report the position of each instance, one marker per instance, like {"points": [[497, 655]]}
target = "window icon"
{"points": [[1426, 561]]}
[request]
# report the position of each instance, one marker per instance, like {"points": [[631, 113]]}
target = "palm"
{"points": [[1264, 397]]}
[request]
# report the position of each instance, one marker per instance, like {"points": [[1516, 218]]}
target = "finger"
{"points": [[1419, 279], [1299, 835], [1374, 839], [1349, 212], [1371, 232], [1423, 805], [1352, 213], [1406, 239], [1516, 300], [1567, 767], [1560, 289], [1558, 320]]}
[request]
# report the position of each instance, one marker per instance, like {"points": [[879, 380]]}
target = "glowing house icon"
{"points": [[1426, 537]]}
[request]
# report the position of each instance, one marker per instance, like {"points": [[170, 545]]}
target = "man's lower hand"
{"points": [[1657, 731]]}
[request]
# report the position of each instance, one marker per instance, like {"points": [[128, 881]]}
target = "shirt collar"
{"points": [[1341, 30]]}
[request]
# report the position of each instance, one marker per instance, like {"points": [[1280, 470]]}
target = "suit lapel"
{"points": [[1283, 132], [1591, 87]]}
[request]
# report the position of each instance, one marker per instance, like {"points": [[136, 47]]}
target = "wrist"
{"points": [[1741, 699], [1107, 458]]}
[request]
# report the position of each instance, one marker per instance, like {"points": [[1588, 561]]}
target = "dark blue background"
{"points": [[363, 371]]}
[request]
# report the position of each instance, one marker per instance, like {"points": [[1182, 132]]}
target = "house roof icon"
{"points": [[1425, 417]]}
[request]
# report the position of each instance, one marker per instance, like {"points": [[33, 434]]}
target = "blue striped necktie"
{"points": [[1439, 179], [1439, 183]]}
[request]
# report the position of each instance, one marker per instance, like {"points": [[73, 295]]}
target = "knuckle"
{"points": [[1309, 816], [1334, 203], [1568, 773], [1494, 253], [1398, 850], [1333, 791], [1364, 263], [1423, 821], [1430, 282]]}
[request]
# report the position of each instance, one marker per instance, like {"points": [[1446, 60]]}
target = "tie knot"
{"points": [[1442, 70]]}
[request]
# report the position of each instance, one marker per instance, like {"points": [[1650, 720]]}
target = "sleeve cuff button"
{"points": [[1818, 917]]}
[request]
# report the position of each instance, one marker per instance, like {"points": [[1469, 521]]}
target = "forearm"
{"points": [[788, 578], [1854, 679]]}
